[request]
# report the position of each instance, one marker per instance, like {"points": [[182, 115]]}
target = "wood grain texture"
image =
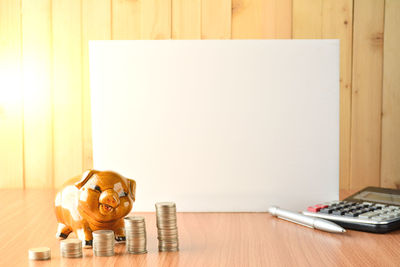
{"points": [[261, 19], [205, 239], [332, 19], [307, 19], [96, 25], [67, 43], [156, 19], [11, 99], [284, 23], [216, 19], [126, 19], [367, 93], [390, 168], [37, 85], [337, 23], [186, 19]]}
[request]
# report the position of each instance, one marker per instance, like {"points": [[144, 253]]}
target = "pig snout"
{"points": [[109, 197]]}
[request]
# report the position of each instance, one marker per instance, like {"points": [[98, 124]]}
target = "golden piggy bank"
{"points": [[94, 201]]}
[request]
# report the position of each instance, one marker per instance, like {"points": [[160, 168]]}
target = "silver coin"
{"points": [[168, 249], [173, 231], [137, 252], [73, 256], [165, 204], [40, 253], [103, 233], [104, 254], [71, 242]]}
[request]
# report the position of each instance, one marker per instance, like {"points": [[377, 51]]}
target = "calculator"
{"points": [[372, 209]]}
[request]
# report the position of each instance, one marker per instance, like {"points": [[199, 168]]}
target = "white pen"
{"points": [[311, 222]]}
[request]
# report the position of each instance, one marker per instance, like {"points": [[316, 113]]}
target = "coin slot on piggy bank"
{"points": [[96, 200]]}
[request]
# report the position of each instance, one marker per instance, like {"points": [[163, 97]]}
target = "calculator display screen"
{"points": [[378, 197]]}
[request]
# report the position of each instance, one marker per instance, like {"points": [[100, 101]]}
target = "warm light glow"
{"points": [[10, 88], [28, 84], [36, 83]]}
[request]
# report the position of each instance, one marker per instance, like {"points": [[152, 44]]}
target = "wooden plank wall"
{"points": [[45, 132]]}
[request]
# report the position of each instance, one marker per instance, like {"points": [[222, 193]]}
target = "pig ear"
{"points": [[85, 177], [132, 188]]}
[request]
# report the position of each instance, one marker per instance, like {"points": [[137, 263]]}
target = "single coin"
{"points": [[134, 219], [165, 204], [168, 249], [71, 243], [103, 232]]}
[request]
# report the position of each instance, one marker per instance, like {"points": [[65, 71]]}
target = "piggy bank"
{"points": [[97, 200]]}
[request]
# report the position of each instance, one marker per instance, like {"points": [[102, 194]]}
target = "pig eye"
{"points": [[97, 188], [123, 194]]}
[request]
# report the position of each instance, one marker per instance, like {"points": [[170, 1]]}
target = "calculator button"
{"points": [[379, 212], [338, 212], [326, 210], [351, 214], [388, 209], [394, 207], [364, 210], [313, 209], [367, 215], [377, 218], [386, 217], [380, 205], [367, 203], [397, 213], [391, 214]]}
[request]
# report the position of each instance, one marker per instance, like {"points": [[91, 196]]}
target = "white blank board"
{"points": [[219, 125]]}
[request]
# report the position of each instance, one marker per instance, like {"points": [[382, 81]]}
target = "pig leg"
{"points": [[85, 234], [120, 231], [63, 231]]}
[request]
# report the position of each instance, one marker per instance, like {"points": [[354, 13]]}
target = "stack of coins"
{"points": [[103, 243], [71, 248], [166, 226], [135, 231], [41, 253]]}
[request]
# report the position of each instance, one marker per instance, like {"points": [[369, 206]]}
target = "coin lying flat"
{"points": [[167, 226], [135, 232], [40, 253]]}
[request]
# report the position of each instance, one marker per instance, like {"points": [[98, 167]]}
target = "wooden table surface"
{"points": [[206, 239]]}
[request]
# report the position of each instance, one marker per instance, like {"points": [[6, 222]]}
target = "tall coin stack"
{"points": [[103, 243], [71, 248], [166, 226], [135, 231]]}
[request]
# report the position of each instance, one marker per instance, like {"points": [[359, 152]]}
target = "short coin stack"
{"points": [[103, 243], [41, 253], [135, 231], [71, 248], [166, 226]]}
